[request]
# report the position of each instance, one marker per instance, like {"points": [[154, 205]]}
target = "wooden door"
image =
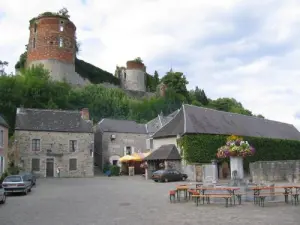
{"points": [[50, 168]]}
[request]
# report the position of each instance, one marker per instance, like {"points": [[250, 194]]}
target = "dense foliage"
{"points": [[202, 148], [32, 88]]}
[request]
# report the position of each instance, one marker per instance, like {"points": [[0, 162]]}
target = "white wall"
{"points": [[164, 141]]}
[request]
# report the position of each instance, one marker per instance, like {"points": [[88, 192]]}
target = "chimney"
{"points": [[20, 110], [85, 114]]}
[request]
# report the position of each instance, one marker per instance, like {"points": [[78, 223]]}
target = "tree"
{"points": [[229, 105], [200, 96], [2, 65], [156, 78], [176, 81], [138, 60]]}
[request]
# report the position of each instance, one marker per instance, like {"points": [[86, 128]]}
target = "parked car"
{"points": [[168, 175], [17, 184], [32, 177], [2, 195]]}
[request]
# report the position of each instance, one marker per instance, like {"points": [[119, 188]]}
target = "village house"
{"points": [[3, 144], [198, 120], [192, 120], [50, 140], [116, 138]]}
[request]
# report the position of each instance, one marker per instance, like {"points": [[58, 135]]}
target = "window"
{"points": [[33, 43], [1, 138], [115, 162], [35, 164], [61, 27], [35, 27], [151, 143], [73, 145], [128, 150], [72, 164], [36, 145], [61, 42]]}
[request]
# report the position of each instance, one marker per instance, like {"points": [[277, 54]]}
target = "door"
{"points": [[50, 167]]}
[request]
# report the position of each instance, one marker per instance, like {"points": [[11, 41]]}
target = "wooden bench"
{"points": [[192, 192], [262, 196], [227, 197]]}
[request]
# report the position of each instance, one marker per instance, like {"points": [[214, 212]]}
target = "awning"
{"points": [[128, 158], [140, 155]]}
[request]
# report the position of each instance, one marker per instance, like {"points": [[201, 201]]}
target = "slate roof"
{"points": [[164, 152], [3, 122], [52, 120], [198, 120], [159, 121], [121, 126]]}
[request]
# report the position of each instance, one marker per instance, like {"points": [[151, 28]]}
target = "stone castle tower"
{"points": [[133, 77], [52, 42]]}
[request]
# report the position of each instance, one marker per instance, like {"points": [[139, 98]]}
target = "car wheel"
{"points": [[3, 199], [166, 180]]}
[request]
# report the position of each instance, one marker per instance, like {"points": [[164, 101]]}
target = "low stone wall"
{"points": [[273, 171]]}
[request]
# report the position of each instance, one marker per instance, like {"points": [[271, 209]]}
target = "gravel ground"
{"points": [[129, 201]]}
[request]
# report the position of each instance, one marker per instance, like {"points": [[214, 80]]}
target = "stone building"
{"points": [[51, 139], [3, 144], [116, 138], [133, 77], [52, 43]]}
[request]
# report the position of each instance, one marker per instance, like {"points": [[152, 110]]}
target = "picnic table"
{"points": [[182, 188], [288, 190], [230, 190]]}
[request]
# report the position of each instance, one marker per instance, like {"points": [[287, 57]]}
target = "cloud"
{"points": [[248, 49]]}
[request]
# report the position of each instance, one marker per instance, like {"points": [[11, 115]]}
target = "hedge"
{"points": [[202, 148]]}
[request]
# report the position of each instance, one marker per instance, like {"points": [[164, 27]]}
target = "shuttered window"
{"points": [[35, 164], [72, 164]]}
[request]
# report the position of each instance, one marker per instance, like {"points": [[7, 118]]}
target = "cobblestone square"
{"points": [[128, 201]]}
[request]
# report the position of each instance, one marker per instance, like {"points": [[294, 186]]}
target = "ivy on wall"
{"points": [[202, 148]]}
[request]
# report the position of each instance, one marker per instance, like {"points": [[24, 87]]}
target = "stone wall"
{"points": [[56, 145], [60, 71], [273, 171], [106, 148]]}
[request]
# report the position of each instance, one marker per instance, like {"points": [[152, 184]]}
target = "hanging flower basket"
{"points": [[235, 146]]}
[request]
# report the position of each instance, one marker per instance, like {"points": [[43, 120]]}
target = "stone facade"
{"points": [[3, 148], [56, 146], [274, 171], [110, 146]]}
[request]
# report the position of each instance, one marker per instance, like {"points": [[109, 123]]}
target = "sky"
{"points": [[248, 50]]}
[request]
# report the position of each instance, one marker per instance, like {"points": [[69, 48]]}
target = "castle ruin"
{"points": [[52, 43]]}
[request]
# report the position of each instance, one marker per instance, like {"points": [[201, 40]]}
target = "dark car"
{"points": [[168, 175], [31, 176], [17, 184]]}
